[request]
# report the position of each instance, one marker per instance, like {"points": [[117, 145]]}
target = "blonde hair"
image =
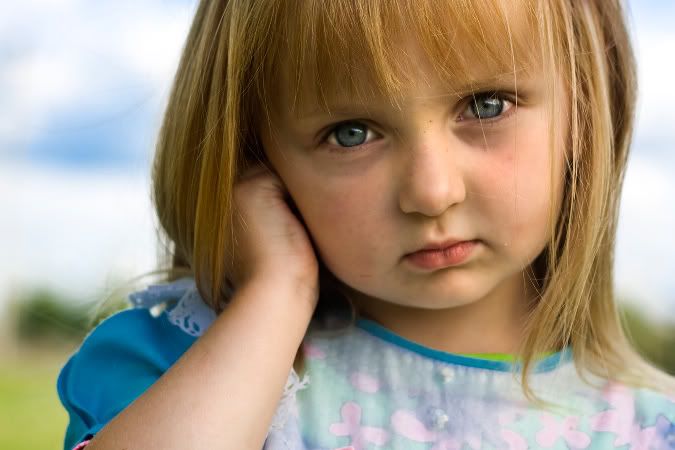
{"points": [[227, 80]]}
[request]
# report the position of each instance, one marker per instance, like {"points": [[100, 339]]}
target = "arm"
{"points": [[223, 392]]}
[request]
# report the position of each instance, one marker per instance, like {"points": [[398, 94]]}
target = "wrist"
{"points": [[279, 290]]}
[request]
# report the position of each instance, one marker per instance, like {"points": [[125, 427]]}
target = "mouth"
{"points": [[446, 254]]}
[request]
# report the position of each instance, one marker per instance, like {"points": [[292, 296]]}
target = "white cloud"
{"points": [[58, 53], [73, 232], [645, 256], [657, 98], [69, 230], [654, 42]]}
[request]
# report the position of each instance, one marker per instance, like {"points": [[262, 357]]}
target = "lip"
{"points": [[450, 253], [442, 245]]}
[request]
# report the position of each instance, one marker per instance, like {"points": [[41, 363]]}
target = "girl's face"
{"points": [[376, 182]]}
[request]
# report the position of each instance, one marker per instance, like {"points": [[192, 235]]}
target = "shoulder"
{"points": [[126, 353], [137, 340], [129, 340], [644, 404], [657, 410], [636, 415]]}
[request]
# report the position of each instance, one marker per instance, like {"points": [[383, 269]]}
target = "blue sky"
{"points": [[82, 87]]}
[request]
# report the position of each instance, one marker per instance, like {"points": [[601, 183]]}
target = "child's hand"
{"points": [[270, 242]]}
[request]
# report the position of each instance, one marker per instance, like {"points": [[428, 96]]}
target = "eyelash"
{"points": [[466, 102], [505, 97], [340, 149]]}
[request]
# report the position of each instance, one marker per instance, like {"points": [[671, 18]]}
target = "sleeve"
{"points": [[115, 364]]}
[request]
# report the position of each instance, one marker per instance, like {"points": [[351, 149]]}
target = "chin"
{"points": [[445, 303], [436, 294], [435, 299]]}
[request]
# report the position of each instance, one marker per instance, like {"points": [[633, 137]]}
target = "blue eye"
{"points": [[349, 134], [486, 106]]}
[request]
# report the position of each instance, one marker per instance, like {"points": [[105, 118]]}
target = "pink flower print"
{"points": [[621, 420], [364, 382], [313, 352], [406, 424], [514, 440], [474, 442], [509, 416], [618, 420], [351, 426], [553, 430], [447, 444], [642, 438]]}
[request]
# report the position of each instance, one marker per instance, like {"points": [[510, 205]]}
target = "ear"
{"points": [[254, 149], [266, 139]]}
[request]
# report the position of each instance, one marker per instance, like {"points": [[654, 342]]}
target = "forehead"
{"points": [[326, 51]]}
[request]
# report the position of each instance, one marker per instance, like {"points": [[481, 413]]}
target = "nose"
{"points": [[433, 179]]}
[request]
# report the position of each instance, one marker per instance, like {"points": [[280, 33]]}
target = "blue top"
{"points": [[117, 362], [367, 388]]}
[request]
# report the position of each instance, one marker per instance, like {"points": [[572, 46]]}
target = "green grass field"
{"points": [[31, 417]]}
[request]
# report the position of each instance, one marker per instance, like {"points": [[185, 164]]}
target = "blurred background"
{"points": [[82, 88]]}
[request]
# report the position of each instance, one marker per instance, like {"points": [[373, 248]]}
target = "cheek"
{"points": [[517, 185], [343, 219]]}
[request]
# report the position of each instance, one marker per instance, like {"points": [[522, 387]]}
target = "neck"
{"points": [[492, 324]]}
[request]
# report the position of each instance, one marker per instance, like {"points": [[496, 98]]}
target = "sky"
{"points": [[82, 88]]}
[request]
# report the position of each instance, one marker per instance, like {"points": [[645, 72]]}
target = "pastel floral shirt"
{"points": [[366, 388]]}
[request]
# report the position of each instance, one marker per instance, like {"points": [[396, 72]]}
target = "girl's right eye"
{"points": [[350, 134]]}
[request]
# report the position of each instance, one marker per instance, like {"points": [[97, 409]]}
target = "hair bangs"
{"points": [[325, 52], [489, 40]]}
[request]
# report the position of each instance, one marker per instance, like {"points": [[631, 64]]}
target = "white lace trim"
{"points": [[191, 314], [287, 405], [194, 317], [155, 295]]}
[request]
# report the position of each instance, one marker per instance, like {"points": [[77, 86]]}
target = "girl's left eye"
{"points": [[350, 134], [486, 106]]}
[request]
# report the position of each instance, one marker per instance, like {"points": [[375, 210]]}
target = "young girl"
{"points": [[408, 205]]}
